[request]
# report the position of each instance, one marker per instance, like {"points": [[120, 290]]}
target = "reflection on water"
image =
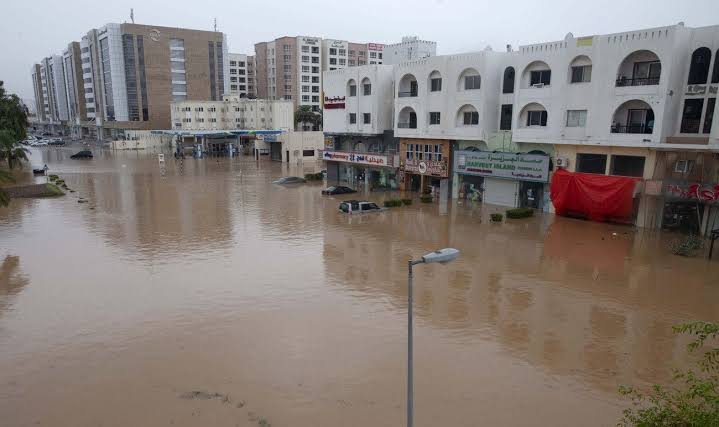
{"points": [[211, 278]]}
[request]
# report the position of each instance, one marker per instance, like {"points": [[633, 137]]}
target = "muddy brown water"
{"points": [[209, 296]]}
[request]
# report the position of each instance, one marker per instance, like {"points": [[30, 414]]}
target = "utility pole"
{"points": [[132, 15]]}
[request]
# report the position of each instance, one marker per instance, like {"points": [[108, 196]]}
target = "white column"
{"points": [[714, 135]]}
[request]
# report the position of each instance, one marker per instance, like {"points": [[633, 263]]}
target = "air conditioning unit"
{"points": [[562, 162], [538, 85]]}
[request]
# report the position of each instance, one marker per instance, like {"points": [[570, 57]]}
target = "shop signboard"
{"points": [[426, 167], [357, 158], [334, 102], [522, 167], [703, 193]]}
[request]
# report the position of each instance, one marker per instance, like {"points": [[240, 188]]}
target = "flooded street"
{"points": [[279, 308]]}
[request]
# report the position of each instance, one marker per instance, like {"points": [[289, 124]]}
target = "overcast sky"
{"points": [[33, 29]]}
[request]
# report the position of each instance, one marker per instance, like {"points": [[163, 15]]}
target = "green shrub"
{"points": [[688, 246], [495, 217], [392, 203], [53, 177], [518, 213], [425, 198], [314, 176], [407, 201], [53, 190]]}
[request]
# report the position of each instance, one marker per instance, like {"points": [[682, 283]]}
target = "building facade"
{"points": [[409, 49], [240, 75], [360, 147], [233, 112]]}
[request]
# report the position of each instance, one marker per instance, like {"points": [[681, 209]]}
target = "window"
{"points": [[315, 70], [366, 118], [305, 68], [233, 63], [305, 88], [305, 98], [305, 49], [308, 153], [315, 89], [699, 68], [352, 63], [233, 79], [537, 118], [286, 58], [315, 98], [352, 52], [683, 166], [287, 68], [305, 58], [367, 89], [315, 59], [241, 63], [428, 149], [343, 61], [472, 82], [471, 118], [436, 84], [582, 74], [540, 77], [286, 47], [360, 62], [508, 82], [333, 51], [711, 103], [353, 90], [591, 163], [692, 115], [315, 49], [353, 118], [333, 61], [576, 118], [647, 72], [315, 79], [361, 53], [505, 120], [373, 54], [438, 152], [627, 166], [434, 118], [305, 79]]}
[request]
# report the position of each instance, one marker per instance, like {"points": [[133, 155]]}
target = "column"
{"points": [[714, 135], [366, 180]]}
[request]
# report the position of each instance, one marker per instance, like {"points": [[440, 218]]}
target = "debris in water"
{"points": [[203, 395]]}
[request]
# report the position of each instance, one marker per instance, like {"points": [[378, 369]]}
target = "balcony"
{"points": [[637, 81], [409, 94], [407, 125], [633, 128]]}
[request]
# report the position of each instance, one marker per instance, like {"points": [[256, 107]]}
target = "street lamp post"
{"points": [[442, 256]]}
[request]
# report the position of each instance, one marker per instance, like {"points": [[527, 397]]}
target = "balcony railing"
{"points": [[407, 94], [690, 125], [637, 81], [633, 128], [407, 125]]}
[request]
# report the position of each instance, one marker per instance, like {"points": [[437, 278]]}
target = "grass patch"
{"points": [[688, 246], [53, 190], [518, 213], [496, 217], [53, 177], [314, 176]]}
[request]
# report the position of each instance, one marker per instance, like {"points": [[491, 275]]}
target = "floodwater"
{"points": [[209, 296]]}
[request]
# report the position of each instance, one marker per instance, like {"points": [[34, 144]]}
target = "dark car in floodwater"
{"points": [[290, 180], [338, 190], [84, 154]]}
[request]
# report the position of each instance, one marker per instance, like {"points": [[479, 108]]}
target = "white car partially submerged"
{"points": [[358, 207]]}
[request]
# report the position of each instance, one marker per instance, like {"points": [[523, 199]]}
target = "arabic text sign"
{"points": [[426, 167], [706, 193], [524, 167], [359, 158]]}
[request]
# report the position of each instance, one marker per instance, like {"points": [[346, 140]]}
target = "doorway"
{"points": [[287, 156], [531, 194]]}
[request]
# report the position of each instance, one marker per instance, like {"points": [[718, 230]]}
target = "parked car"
{"points": [[289, 180], [84, 154], [338, 190], [42, 143], [358, 207]]}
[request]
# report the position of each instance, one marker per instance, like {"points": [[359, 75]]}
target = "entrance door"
{"points": [[287, 156], [413, 120], [415, 182], [531, 194], [502, 192]]}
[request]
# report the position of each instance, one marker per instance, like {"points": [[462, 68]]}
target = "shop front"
{"points": [[691, 208], [425, 166], [505, 179], [374, 172]]}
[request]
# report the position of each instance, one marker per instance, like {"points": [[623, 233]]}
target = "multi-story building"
{"points": [[334, 54], [39, 92], [240, 75], [74, 88], [409, 49], [360, 147], [52, 87], [233, 112], [130, 74]]}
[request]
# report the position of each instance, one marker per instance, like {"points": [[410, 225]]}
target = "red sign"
{"points": [[701, 192], [334, 102], [375, 46]]}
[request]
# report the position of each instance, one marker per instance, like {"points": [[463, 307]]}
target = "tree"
{"points": [[11, 150], [304, 114], [694, 399], [5, 176], [13, 114]]}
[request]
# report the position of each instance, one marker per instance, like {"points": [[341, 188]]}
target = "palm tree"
{"points": [[304, 114], [5, 176], [11, 150]]}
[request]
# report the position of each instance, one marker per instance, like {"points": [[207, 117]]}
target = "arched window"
{"points": [[467, 115], [366, 87], [715, 72], [469, 80], [435, 81], [508, 82], [699, 68], [351, 88]]}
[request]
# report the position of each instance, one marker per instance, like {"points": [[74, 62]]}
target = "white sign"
{"points": [[523, 167], [359, 158], [154, 35]]}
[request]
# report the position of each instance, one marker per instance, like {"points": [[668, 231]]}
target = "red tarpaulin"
{"points": [[597, 197]]}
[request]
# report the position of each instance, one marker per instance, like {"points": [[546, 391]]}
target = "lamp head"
{"points": [[442, 256]]}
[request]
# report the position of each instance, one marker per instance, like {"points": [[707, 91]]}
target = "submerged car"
{"points": [[289, 180], [84, 154], [359, 206], [338, 190]]}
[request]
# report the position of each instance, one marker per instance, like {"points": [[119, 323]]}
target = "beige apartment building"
{"points": [[232, 113]]}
